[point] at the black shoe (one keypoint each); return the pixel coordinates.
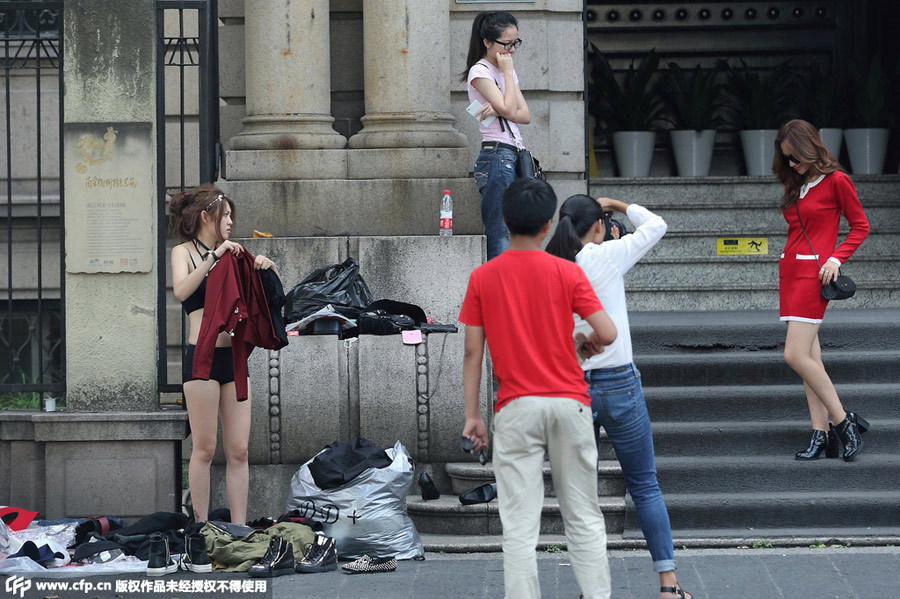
(832, 446)
(849, 432)
(195, 558)
(426, 484)
(370, 564)
(321, 556)
(818, 443)
(677, 590)
(278, 560)
(160, 561)
(482, 494)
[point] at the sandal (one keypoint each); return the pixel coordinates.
(676, 590)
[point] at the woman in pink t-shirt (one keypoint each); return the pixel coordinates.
(492, 81)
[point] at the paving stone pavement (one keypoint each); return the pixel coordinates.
(839, 572)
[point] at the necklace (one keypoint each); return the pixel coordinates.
(197, 247)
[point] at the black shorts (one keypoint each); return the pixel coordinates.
(222, 369)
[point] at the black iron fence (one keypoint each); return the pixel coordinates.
(32, 288)
(187, 131)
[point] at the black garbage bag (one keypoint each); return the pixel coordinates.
(338, 284)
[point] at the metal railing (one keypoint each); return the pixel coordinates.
(32, 323)
(191, 55)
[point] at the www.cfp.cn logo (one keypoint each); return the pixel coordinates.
(17, 584)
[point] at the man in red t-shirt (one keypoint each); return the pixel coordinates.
(522, 302)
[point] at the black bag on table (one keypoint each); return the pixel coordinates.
(338, 284)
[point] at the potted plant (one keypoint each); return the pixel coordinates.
(694, 102)
(628, 110)
(762, 106)
(821, 109)
(870, 115)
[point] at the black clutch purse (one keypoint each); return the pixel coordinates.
(839, 289)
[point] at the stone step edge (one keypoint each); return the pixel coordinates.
(472, 470)
(862, 286)
(450, 504)
(676, 260)
(437, 543)
(732, 426)
(739, 393)
(836, 356)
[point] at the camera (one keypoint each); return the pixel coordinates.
(610, 222)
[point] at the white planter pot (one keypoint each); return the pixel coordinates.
(759, 150)
(634, 152)
(867, 148)
(693, 151)
(832, 138)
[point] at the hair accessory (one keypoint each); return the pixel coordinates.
(218, 198)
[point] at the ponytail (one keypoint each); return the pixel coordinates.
(576, 217)
(486, 26)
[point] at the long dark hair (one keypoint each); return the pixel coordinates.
(486, 26)
(808, 147)
(577, 215)
(186, 207)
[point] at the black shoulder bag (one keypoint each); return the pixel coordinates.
(839, 289)
(527, 166)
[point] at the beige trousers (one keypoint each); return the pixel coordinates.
(524, 430)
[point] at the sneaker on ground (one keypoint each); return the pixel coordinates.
(321, 556)
(195, 558)
(278, 560)
(160, 560)
(371, 564)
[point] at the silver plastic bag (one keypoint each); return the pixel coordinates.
(366, 516)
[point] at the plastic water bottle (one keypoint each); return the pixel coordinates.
(446, 214)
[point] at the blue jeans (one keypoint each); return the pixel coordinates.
(495, 170)
(617, 401)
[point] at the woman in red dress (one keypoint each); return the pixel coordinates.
(818, 191)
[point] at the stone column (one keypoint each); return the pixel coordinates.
(288, 87)
(407, 79)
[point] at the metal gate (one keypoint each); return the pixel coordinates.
(187, 130)
(32, 352)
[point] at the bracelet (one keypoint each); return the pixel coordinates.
(214, 255)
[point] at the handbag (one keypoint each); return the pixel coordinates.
(527, 166)
(843, 286)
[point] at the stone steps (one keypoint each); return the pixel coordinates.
(875, 472)
(728, 415)
(447, 516)
(751, 331)
(770, 402)
(769, 367)
(775, 509)
(750, 438)
(749, 272)
(465, 475)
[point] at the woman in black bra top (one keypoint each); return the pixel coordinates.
(204, 218)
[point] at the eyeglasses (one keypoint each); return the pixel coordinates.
(218, 198)
(790, 158)
(509, 45)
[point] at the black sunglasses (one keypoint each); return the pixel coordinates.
(790, 158)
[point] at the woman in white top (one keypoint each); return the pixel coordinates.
(492, 81)
(617, 398)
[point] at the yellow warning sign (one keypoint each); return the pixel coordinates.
(741, 246)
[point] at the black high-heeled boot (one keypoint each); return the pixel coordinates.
(832, 447)
(849, 432)
(817, 444)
